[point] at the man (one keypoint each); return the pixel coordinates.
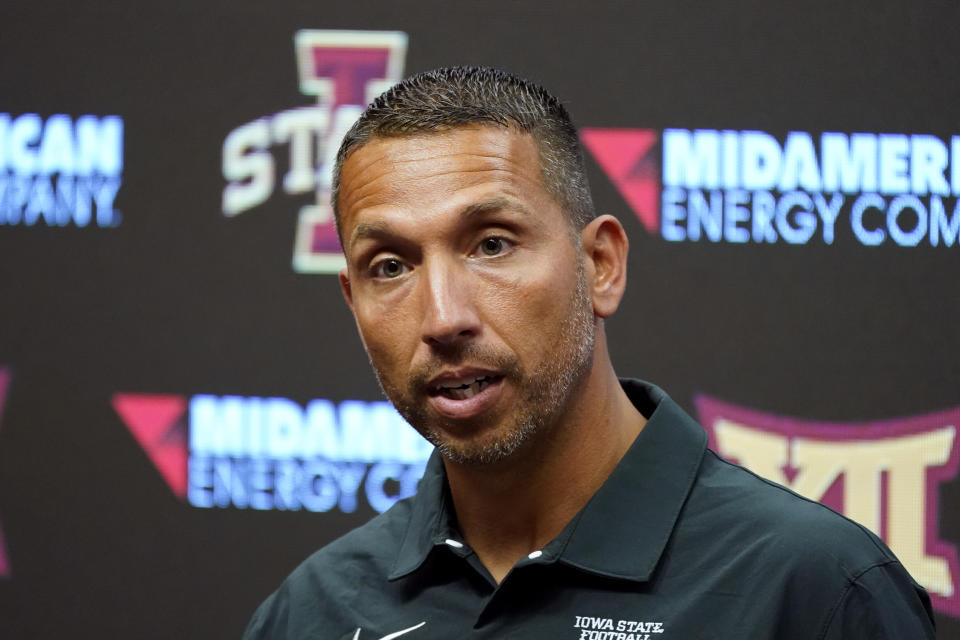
(560, 502)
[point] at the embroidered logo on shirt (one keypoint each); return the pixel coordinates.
(598, 628)
(395, 634)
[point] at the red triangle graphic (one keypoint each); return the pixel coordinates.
(4, 563)
(4, 383)
(626, 156)
(156, 422)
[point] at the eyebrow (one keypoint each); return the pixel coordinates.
(492, 205)
(368, 230)
(476, 209)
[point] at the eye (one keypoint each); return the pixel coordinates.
(389, 268)
(493, 246)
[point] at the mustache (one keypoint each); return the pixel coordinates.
(443, 357)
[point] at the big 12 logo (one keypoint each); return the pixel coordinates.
(885, 475)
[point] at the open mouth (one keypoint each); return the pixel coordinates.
(463, 389)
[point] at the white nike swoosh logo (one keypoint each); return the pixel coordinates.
(395, 634)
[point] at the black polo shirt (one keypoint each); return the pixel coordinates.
(676, 545)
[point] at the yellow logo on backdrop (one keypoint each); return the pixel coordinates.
(884, 475)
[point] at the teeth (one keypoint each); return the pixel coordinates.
(466, 390)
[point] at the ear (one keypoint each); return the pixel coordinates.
(605, 248)
(345, 287)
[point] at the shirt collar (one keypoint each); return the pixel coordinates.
(431, 519)
(623, 529)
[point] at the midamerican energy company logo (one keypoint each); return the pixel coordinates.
(343, 71)
(60, 170)
(885, 475)
(4, 383)
(273, 453)
(744, 187)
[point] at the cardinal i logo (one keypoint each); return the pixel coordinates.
(343, 71)
(885, 475)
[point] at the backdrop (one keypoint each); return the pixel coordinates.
(186, 411)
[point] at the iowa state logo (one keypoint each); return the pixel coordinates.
(885, 475)
(343, 71)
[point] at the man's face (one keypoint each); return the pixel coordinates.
(467, 286)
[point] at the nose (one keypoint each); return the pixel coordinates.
(449, 313)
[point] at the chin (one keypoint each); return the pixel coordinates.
(482, 449)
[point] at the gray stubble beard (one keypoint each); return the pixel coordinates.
(545, 392)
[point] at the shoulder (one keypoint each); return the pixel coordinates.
(324, 589)
(811, 564)
(773, 519)
(731, 510)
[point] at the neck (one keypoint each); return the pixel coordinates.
(509, 509)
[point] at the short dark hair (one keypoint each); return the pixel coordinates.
(449, 97)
